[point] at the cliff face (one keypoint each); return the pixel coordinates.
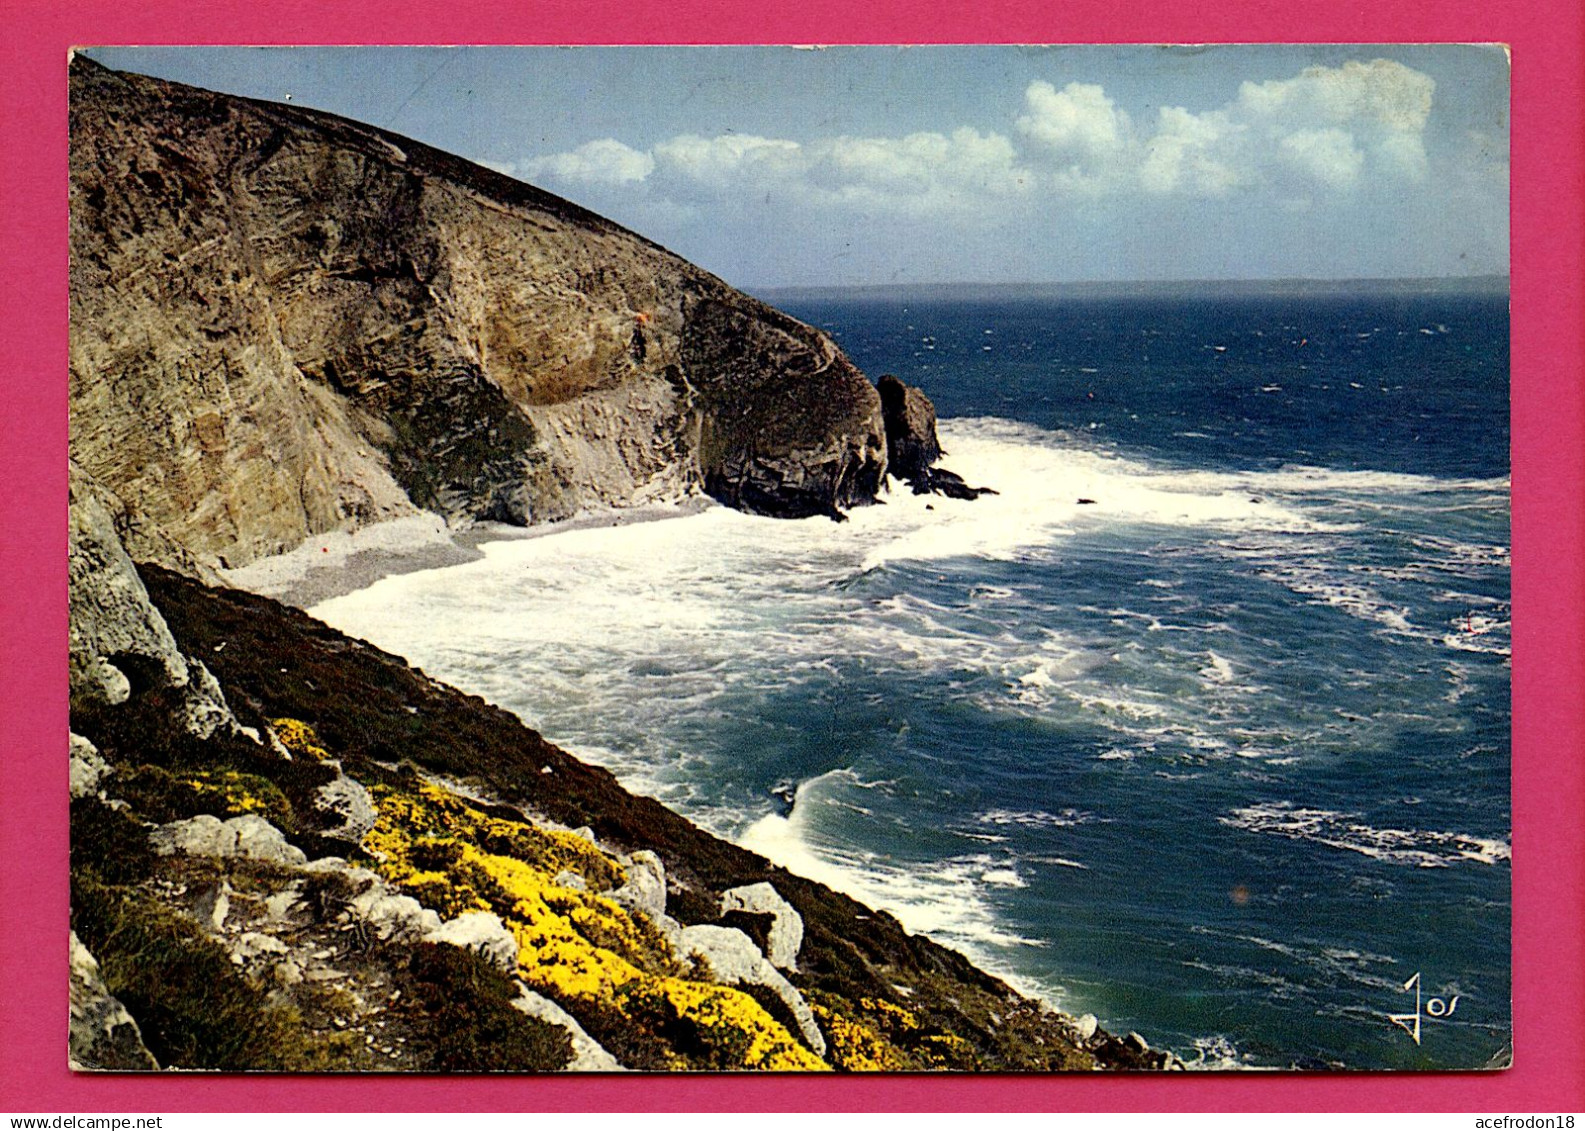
(285, 323)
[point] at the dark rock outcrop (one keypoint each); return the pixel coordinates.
(118, 644)
(910, 420)
(912, 448)
(284, 323)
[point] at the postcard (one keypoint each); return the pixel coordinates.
(968, 559)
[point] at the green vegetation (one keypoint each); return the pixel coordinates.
(886, 1000)
(461, 1006)
(195, 1009)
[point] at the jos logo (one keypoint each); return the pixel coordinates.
(1435, 1008)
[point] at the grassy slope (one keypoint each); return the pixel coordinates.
(375, 712)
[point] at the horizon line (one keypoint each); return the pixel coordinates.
(1488, 279)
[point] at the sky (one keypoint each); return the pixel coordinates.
(777, 166)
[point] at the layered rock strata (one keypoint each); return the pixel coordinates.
(285, 323)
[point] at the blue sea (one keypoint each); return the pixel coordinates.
(1201, 724)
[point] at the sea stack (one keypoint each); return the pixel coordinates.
(912, 447)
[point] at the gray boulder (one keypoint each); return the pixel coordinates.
(483, 932)
(102, 1036)
(118, 642)
(587, 1054)
(87, 767)
(787, 926)
(116, 636)
(345, 807)
(645, 889)
(393, 916)
(204, 709)
(248, 836)
(736, 961)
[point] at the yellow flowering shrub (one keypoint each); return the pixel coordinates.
(242, 793)
(163, 795)
(299, 738)
(856, 1047)
(574, 945)
(880, 1036)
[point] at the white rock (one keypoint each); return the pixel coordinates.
(346, 808)
(102, 1036)
(570, 880)
(257, 839)
(1087, 1026)
(212, 906)
(203, 708)
(393, 916)
(254, 945)
(249, 836)
(114, 630)
(670, 930)
(645, 889)
(480, 931)
(587, 1055)
(787, 926)
(281, 906)
(87, 767)
(736, 961)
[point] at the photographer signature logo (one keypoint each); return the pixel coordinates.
(1434, 1008)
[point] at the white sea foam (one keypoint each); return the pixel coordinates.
(1216, 1053)
(1414, 847)
(948, 901)
(605, 638)
(680, 604)
(1219, 670)
(1037, 818)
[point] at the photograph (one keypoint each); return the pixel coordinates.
(960, 558)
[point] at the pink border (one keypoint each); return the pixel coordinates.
(1548, 532)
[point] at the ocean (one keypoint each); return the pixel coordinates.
(1201, 724)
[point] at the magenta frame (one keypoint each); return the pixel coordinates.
(1548, 428)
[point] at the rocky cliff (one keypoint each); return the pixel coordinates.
(284, 323)
(293, 852)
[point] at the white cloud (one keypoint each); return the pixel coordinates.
(1078, 117)
(1324, 132)
(1329, 155)
(602, 162)
(1402, 154)
(916, 174)
(1192, 153)
(1329, 128)
(925, 168)
(1380, 94)
(722, 162)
